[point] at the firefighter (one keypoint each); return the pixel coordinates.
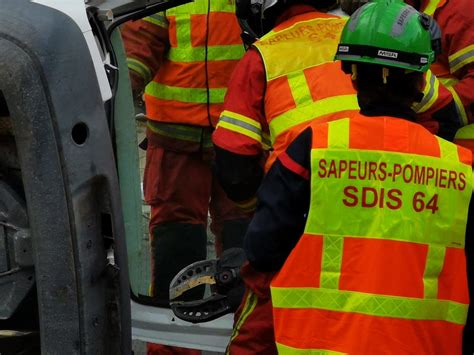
(370, 251)
(271, 96)
(455, 65)
(455, 69)
(182, 60)
(285, 80)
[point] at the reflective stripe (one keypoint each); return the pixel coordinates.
(140, 68)
(183, 31)
(449, 81)
(248, 206)
(434, 266)
(370, 304)
(184, 51)
(461, 58)
(430, 93)
(247, 310)
(288, 350)
(157, 19)
(183, 132)
(201, 8)
(299, 88)
(244, 125)
(338, 134)
(331, 261)
(214, 53)
(192, 95)
(431, 7)
(310, 112)
(466, 132)
(459, 105)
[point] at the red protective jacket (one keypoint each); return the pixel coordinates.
(455, 66)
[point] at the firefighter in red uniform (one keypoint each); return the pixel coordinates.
(370, 255)
(271, 96)
(183, 59)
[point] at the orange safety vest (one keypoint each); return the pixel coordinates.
(205, 46)
(296, 54)
(380, 268)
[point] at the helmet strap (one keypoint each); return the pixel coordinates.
(354, 72)
(385, 74)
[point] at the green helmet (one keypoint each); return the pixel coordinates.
(389, 33)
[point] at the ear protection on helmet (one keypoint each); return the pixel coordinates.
(433, 28)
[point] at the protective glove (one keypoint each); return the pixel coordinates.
(228, 278)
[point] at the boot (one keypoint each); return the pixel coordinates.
(176, 245)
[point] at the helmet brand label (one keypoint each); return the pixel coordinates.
(387, 54)
(344, 49)
(423, 60)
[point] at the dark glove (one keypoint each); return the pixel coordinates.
(449, 121)
(228, 278)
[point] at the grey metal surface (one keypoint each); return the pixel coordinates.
(159, 325)
(16, 262)
(70, 181)
(123, 7)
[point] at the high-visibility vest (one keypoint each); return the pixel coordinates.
(205, 46)
(380, 268)
(296, 54)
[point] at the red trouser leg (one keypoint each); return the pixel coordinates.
(180, 189)
(253, 321)
(253, 327)
(157, 349)
(177, 186)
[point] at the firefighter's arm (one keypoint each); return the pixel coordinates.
(462, 90)
(240, 176)
(241, 137)
(146, 43)
(459, 47)
(437, 110)
(283, 202)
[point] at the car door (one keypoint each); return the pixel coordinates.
(70, 192)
